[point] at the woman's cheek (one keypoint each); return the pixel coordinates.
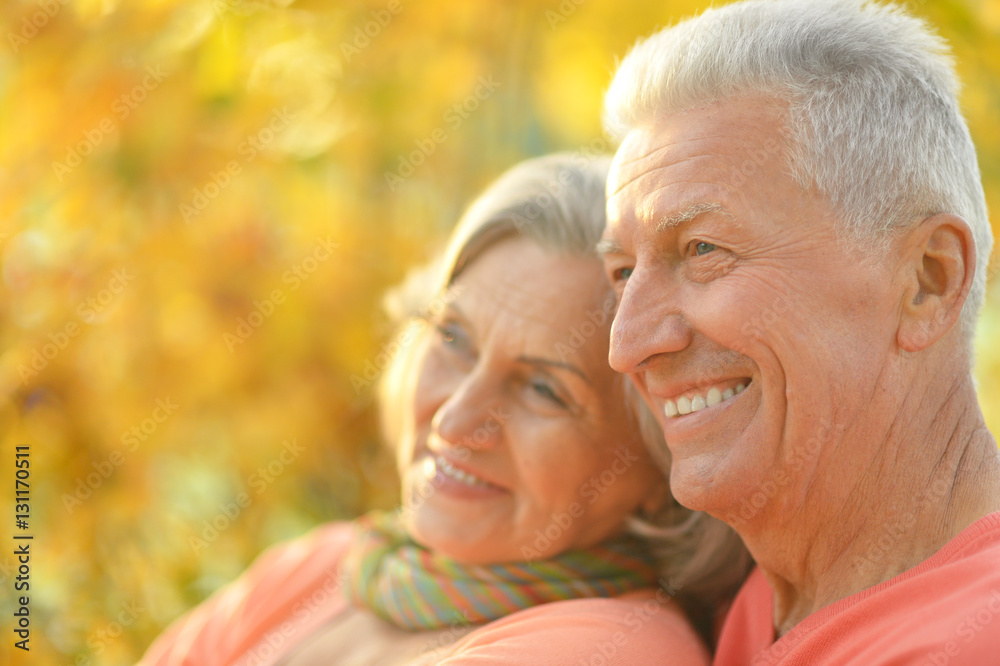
(558, 478)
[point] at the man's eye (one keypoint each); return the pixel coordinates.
(622, 274)
(702, 247)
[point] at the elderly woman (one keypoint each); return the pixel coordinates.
(535, 527)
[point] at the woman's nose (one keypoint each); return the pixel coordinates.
(471, 417)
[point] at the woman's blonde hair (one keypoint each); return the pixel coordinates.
(558, 202)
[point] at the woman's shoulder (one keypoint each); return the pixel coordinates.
(286, 571)
(283, 583)
(322, 548)
(642, 627)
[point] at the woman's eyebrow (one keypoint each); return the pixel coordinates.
(450, 308)
(535, 360)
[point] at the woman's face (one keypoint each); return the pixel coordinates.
(521, 446)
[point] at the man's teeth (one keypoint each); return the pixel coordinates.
(455, 473)
(697, 402)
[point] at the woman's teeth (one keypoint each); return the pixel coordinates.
(455, 473)
(686, 405)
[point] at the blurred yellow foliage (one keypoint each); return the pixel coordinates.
(202, 203)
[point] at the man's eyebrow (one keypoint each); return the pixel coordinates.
(534, 360)
(690, 212)
(608, 246)
(686, 214)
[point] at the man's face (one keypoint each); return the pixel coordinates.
(754, 335)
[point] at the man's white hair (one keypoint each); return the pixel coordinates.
(873, 121)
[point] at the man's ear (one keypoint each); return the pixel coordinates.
(937, 270)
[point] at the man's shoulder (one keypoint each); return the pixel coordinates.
(939, 612)
(962, 575)
(944, 611)
(949, 611)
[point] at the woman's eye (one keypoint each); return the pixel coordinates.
(544, 390)
(702, 247)
(452, 335)
(447, 333)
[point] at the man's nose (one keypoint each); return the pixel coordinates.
(648, 322)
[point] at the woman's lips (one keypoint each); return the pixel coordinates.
(450, 479)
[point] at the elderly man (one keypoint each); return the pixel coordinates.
(798, 237)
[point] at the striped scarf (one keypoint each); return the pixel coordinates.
(417, 589)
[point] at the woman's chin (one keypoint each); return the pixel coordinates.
(460, 550)
(452, 537)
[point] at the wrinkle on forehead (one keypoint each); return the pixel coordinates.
(637, 155)
(635, 168)
(508, 293)
(649, 198)
(515, 295)
(667, 205)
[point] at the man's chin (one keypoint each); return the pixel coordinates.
(701, 483)
(691, 486)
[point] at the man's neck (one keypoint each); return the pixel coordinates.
(923, 482)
